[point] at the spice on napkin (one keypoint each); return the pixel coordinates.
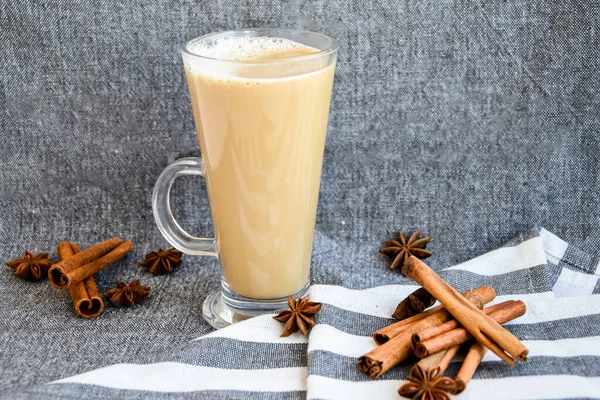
(301, 315)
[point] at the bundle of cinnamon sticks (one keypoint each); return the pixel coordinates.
(436, 335)
(76, 272)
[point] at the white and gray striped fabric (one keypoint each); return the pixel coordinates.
(561, 328)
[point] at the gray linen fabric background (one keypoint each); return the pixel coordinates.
(472, 120)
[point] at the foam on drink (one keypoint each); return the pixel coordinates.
(245, 48)
(253, 58)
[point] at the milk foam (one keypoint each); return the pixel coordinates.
(237, 59)
(243, 48)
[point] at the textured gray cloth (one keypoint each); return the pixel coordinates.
(470, 120)
(560, 329)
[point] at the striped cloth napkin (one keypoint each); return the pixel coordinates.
(561, 328)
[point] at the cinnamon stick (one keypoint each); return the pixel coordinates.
(86, 298)
(483, 328)
(467, 370)
(57, 272)
(397, 349)
(452, 324)
(384, 334)
(414, 304)
(65, 273)
(441, 359)
(461, 335)
(432, 360)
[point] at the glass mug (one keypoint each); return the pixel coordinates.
(260, 100)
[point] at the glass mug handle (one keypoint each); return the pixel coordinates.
(161, 209)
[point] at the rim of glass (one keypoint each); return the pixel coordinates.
(331, 48)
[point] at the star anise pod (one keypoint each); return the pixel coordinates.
(403, 249)
(31, 267)
(426, 385)
(162, 261)
(128, 295)
(300, 316)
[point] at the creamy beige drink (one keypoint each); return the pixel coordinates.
(261, 125)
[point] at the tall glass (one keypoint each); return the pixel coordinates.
(261, 102)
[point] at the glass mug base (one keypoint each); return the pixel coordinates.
(224, 307)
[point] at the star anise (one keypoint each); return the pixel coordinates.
(31, 267)
(300, 316)
(403, 249)
(128, 295)
(162, 261)
(426, 385)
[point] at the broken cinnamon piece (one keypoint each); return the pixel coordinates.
(86, 298)
(397, 349)
(441, 359)
(483, 328)
(414, 304)
(432, 360)
(384, 334)
(65, 273)
(501, 315)
(469, 366)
